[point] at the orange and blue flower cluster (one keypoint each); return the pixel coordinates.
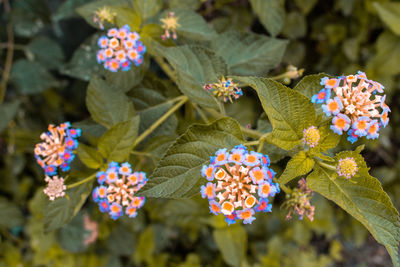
(225, 89)
(57, 150)
(357, 105)
(239, 184)
(120, 48)
(116, 192)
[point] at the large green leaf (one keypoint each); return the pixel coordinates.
(126, 16)
(178, 173)
(117, 143)
(46, 51)
(89, 156)
(288, 111)
(249, 53)
(271, 14)
(389, 12)
(297, 166)
(364, 198)
(192, 25)
(30, 77)
(62, 210)
(8, 112)
(107, 105)
(196, 66)
(147, 8)
(310, 84)
(232, 242)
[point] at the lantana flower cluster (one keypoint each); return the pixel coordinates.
(120, 48)
(118, 185)
(55, 153)
(225, 89)
(356, 103)
(240, 183)
(169, 24)
(298, 201)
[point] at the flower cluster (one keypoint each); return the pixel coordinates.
(103, 14)
(298, 201)
(311, 136)
(240, 183)
(117, 188)
(225, 89)
(92, 230)
(55, 187)
(169, 24)
(347, 167)
(119, 49)
(357, 105)
(57, 150)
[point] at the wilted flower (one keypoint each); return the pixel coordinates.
(225, 89)
(240, 183)
(55, 187)
(118, 186)
(169, 24)
(358, 105)
(119, 49)
(347, 167)
(103, 14)
(92, 228)
(57, 148)
(298, 201)
(311, 136)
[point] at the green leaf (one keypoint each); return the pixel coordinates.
(147, 8)
(196, 66)
(295, 25)
(8, 112)
(288, 111)
(62, 210)
(327, 141)
(106, 105)
(10, 214)
(71, 237)
(126, 16)
(84, 63)
(117, 143)
(68, 9)
(46, 51)
(271, 14)
(146, 246)
(363, 197)
(297, 166)
(310, 84)
(306, 5)
(389, 12)
(232, 242)
(249, 53)
(192, 25)
(178, 173)
(31, 77)
(89, 156)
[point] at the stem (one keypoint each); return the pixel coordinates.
(278, 77)
(160, 120)
(326, 166)
(9, 56)
(251, 143)
(285, 189)
(260, 146)
(82, 181)
(166, 68)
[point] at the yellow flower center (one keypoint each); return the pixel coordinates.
(347, 167)
(311, 136)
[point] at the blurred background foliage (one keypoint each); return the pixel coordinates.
(54, 46)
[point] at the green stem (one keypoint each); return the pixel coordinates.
(9, 55)
(166, 68)
(251, 143)
(160, 120)
(91, 177)
(285, 189)
(260, 146)
(326, 166)
(278, 77)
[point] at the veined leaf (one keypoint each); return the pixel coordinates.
(126, 16)
(249, 53)
(89, 156)
(271, 14)
(117, 143)
(62, 210)
(288, 111)
(196, 66)
(389, 12)
(232, 242)
(192, 25)
(147, 8)
(364, 198)
(310, 84)
(106, 105)
(327, 141)
(297, 166)
(178, 173)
